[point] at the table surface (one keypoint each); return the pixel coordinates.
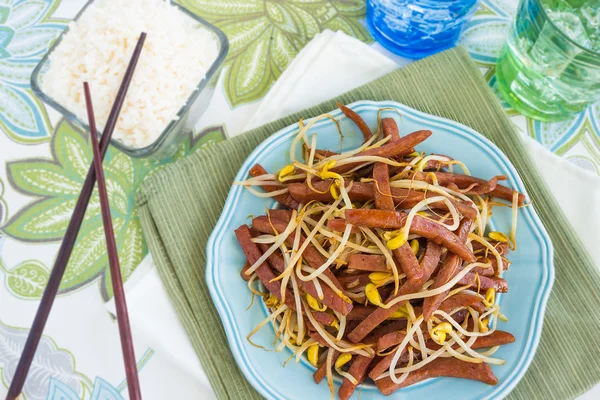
(45, 159)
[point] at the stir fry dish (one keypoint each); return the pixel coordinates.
(376, 263)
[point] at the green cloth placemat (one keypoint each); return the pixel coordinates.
(180, 205)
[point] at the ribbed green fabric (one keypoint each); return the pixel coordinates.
(180, 205)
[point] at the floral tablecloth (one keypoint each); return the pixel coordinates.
(44, 160)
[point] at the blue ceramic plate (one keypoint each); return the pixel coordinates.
(530, 277)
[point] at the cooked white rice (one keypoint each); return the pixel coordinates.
(176, 55)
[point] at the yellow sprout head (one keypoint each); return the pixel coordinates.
(414, 246)
(327, 174)
(439, 332)
(314, 303)
(379, 277)
(313, 354)
(398, 240)
(271, 301)
(402, 312)
(483, 325)
(373, 294)
(498, 236)
(335, 324)
(285, 171)
(342, 360)
(490, 297)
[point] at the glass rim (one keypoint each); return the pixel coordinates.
(562, 33)
(151, 148)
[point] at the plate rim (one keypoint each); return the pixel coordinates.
(547, 250)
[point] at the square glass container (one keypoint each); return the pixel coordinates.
(187, 116)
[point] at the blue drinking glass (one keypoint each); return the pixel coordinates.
(418, 28)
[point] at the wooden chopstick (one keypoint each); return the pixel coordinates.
(133, 383)
(66, 247)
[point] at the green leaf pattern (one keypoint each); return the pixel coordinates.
(72, 152)
(89, 256)
(28, 279)
(44, 221)
(264, 36)
(3, 205)
(251, 71)
(132, 250)
(42, 179)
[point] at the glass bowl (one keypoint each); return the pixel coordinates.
(187, 116)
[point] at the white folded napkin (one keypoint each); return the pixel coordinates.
(331, 64)
(576, 190)
(154, 321)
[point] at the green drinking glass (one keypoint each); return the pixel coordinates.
(550, 67)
